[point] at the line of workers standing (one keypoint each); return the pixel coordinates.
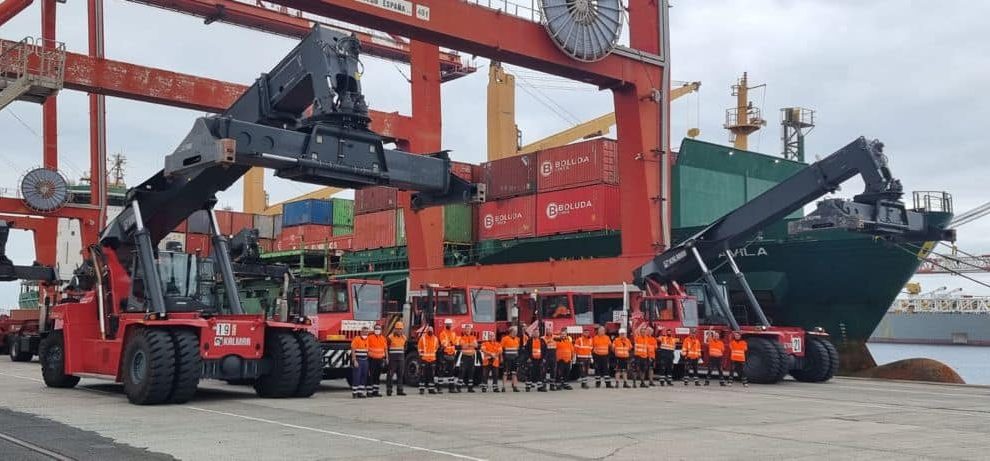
(449, 359)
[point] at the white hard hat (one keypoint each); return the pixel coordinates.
(622, 331)
(448, 321)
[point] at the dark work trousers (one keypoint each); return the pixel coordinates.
(489, 373)
(740, 369)
(690, 370)
(534, 375)
(584, 366)
(396, 372)
(642, 369)
(563, 372)
(667, 365)
(467, 371)
(375, 367)
(601, 370)
(714, 364)
(359, 377)
(427, 378)
(447, 364)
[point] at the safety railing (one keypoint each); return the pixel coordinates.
(937, 201)
(530, 11)
(947, 305)
(35, 58)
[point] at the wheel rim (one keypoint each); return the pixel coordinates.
(139, 367)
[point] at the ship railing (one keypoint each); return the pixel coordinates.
(936, 201)
(952, 304)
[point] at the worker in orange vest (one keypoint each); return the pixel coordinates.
(510, 353)
(716, 354)
(601, 350)
(377, 345)
(737, 348)
(668, 344)
(651, 349)
(642, 357)
(448, 357)
(691, 353)
(550, 359)
(583, 348)
(565, 357)
(427, 347)
(396, 360)
(623, 348)
(359, 364)
(491, 359)
(468, 344)
(535, 350)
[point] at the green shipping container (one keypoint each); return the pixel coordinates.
(343, 230)
(400, 227)
(343, 213)
(458, 223)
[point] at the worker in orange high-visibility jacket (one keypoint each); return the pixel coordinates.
(468, 344)
(623, 349)
(641, 353)
(396, 360)
(550, 359)
(716, 356)
(691, 353)
(510, 352)
(359, 364)
(668, 344)
(428, 346)
(448, 356)
(377, 347)
(491, 359)
(737, 354)
(583, 349)
(565, 357)
(535, 350)
(601, 351)
(651, 349)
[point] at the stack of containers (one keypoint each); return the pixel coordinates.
(312, 224)
(510, 209)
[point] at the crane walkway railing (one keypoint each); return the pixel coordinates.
(947, 305)
(31, 70)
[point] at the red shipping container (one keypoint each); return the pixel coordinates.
(463, 170)
(182, 227)
(224, 221)
(374, 230)
(580, 164)
(510, 176)
(240, 221)
(340, 242)
(295, 237)
(507, 219)
(198, 244)
(372, 199)
(266, 245)
(588, 208)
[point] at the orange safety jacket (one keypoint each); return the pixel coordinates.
(668, 343)
(565, 349)
(397, 345)
(691, 348)
(651, 346)
(738, 348)
(428, 346)
(642, 349)
(510, 346)
(716, 348)
(601, 344)
(448, 340)
(491, 352)
(469, 344)
(359, 347)
(536, 347)
(550, 342)
(584, 346)
(622, 347)
(376, 346)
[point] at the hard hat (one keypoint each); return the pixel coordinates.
(622, 331)
(448, 321)
(399, 325)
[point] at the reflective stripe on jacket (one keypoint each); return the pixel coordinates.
(601, 344)
(583, 347)
(376, 346)
(738, 348)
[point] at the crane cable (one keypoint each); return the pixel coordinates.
(936, 264)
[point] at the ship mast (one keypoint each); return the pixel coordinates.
(744, 119)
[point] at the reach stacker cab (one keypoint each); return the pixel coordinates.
(557, 309)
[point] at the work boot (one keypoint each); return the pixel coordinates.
(360, 396)
(706, 382)
(584, 385)
(541, 389)
(470, 389)
(400, 392)
(388, 392)
(568, 387)
(670, 382)
(685, 382)
(662, 383)
(423, 391)
(598, 384)
(608, 385)
(721, 383)
(653, 384)
(626, 385)
(516, 389)
(697, 383)
(433, 392)
(495, 389)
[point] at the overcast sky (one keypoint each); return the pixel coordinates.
(908, 73)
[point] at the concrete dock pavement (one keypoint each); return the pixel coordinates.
(843, 419)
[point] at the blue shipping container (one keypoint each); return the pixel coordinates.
(312, 211)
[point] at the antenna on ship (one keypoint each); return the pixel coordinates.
(744, 119)
(795, 123)
(117, 163)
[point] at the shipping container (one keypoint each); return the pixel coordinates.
(587, 208)
(463, 170)
(343, 212)
(375, 230)
(181, 228)
(343, 230)
(306, 234)
(458, 223)
(344, 242)
(372, 199)
(240, 221)
(400, 228)
(580, 164)
(510, 176)
(224, 221)
(266, 245)
(198, 244)
(278, 225)
(507, 219)
(171, 240)
(310, 211)
(198, 223)
(265, 226)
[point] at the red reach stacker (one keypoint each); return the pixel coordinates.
(147, 318)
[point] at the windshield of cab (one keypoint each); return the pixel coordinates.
(484, 305)
(179, 273)
(333, 299)
(583, 312)
(555, 306)
(367, 301)
(452, 302)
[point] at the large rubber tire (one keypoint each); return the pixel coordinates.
(785, 361)
(833, 355)
(16, 354)
(816, 364)
(188, 365)
(413, 369)
(311, 364)
(51, 354)
(282, 379)
(763, 361)
(149, 366)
